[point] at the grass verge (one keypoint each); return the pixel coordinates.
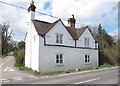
(105, 65)
(23, 68)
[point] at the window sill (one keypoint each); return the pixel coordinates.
(87, 46)
(58, 65)
(87, 63)
(59, 44)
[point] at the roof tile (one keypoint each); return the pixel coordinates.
(43, 27)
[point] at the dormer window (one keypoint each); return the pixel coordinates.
(86, 42)
(59, 38)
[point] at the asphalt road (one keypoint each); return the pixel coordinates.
(101, 76)
(9, 71)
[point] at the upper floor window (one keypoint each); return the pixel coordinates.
(87, 42)
(59, 38)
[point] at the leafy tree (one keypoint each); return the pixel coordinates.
(107, 47)
(118, 51)
(20, 53)
(21, 45)
(19, 57)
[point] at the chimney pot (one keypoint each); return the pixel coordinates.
(32, 6)
(71, 22)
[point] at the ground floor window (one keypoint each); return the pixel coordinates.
(87, 58)
(59, 58)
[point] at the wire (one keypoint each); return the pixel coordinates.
(26, 9)
(13, 19)
(35, 11)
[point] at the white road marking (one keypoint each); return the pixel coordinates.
(74, 73)
(5, 80)
(1, 64)
(87, 71)
(87, 81)
(33, 77)
(46, 76)
(4, 62)
(9, 69)
(17, 78)
(65, 74)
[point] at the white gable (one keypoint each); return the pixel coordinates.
(59, 28)
(86, 34)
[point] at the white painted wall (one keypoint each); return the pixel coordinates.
(59, 28)
(81, 41)
(73, 58)
(35, 50)
(28, 42)
(32, 45)
(32, 58)
(42, 58)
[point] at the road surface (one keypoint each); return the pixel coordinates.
(9, 72)
(100, 76)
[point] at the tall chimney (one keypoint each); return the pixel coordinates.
(31, 10)
(71, 22)
(32, 6)
(28, 44)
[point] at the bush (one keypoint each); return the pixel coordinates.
(15, 53)
(4, 55)
(112, 56)
(106, 65)
(22, 67)
(19, 57)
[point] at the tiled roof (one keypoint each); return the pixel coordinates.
(43, 27)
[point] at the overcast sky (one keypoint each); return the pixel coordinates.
(87, 12)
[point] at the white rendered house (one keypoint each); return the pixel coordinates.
(54, 47)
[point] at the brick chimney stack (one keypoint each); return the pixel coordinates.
(31, 11)
(32, 6)
(71, 22)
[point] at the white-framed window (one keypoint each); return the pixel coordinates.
(59, 59)
(87, 58)
(59, 38)
(86, 42)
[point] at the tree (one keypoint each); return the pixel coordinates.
(21, 45)
(118, 51)
(20, 53)
(107, 47)
(6, 36)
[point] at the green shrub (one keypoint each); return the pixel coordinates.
(22, 67)
(19, 57)
(106, 65)
(17, 65)
(15, 53)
